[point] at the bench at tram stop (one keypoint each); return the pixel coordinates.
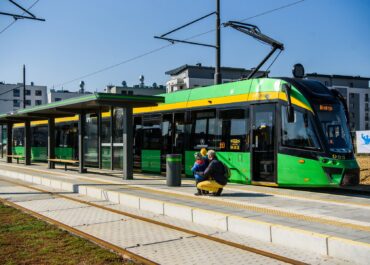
(64, 161)
(16, 157)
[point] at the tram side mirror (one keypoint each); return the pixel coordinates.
(290, 109)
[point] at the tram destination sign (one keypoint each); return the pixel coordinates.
(363, 142)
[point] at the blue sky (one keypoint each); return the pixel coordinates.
(81, 37)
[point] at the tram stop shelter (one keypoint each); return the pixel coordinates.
(95, 104)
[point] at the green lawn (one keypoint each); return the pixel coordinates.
(27, 240)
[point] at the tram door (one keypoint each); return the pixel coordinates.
(263, 147)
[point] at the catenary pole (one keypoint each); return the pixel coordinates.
(24, 86)
(218, 45)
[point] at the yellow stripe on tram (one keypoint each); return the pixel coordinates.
(258, 96)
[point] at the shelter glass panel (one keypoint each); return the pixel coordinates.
(118, 139)
(105, 143)
(91, 141)
(18, 141)
(3, 141)
(39, 143)
(66, 141)
(138, 140)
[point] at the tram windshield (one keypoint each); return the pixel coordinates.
(334, 124)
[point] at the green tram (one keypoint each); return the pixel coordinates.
(269, 131)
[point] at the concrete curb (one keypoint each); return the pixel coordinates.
(292, 237)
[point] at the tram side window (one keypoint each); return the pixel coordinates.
(179, 133)
(18, 137)
(167, 133)
(232, 130)
(138, 134)
(118, 126)
(152, 132)
(67, 135)
(301, 133)
(39, 136)
(203, 129)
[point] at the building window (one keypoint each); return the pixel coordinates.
(38, 92)
(38, 102)
(28, 92)
(16, 93)
(57, 99)
(351, 84)
(367, 126)
(16, 103)
(366, 97)
(28, 102)
(130, 92)
(326, 83)
(124, 92)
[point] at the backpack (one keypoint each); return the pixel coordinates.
(227, 171)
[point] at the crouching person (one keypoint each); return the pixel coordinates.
(198, 171)
(215, 175)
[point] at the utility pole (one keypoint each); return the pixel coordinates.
(24, 86)
(218, 77)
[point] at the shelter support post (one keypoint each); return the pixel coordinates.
(111, 126)
(1, 144)
(51, 142)
(27, 142)
(81, 135)
(99, 119)
(128, 140)
(9, 142)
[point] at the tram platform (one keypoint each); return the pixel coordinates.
(327, 223)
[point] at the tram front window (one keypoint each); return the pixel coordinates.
(334, 124)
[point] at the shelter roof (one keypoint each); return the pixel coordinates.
(87, 103)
